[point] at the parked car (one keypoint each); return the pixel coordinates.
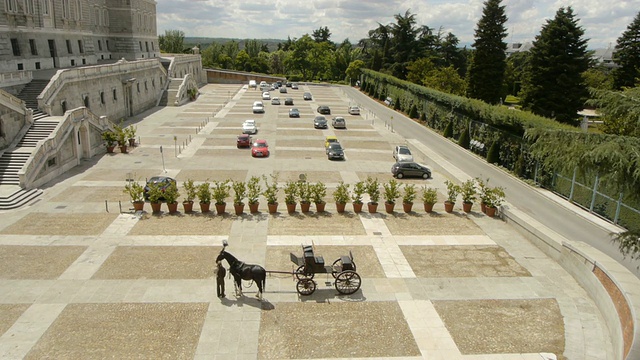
(162, 181)
(354, 110)
(330, 140)
(275, 101)
(260, 148)
(288, 101)
(249, 127)
(279, 83)
(407, 169)
(294, 112)
(294, 86)
(339, 122)
(288, 84)
(244, 140)
(320, 122)
(323, 109)
(258, 107)
(402, 153)
(266, 95)
(307, 96)
(283, 90)
(335, 151)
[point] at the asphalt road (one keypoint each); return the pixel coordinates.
(561, 218)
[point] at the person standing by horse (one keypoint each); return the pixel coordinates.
(220, 272)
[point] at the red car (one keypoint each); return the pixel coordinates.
(260, 148)
(244, 140)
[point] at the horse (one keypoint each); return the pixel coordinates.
(242, 271)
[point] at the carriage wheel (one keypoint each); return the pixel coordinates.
(301, 275)
(336, 268)
(347, 282)
(306, 287)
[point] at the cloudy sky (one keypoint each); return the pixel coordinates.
(602, 20)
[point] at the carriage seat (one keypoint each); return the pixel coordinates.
(310, 258)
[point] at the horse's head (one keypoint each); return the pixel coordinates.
(220, 256)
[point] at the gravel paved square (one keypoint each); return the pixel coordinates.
(365, 258)
(36, 262)
(9, 313)
(312, 176)
(504, 326)
(120, 174)
(462, 261)
(123, 331)
(313, 153)
(93, 194)
(314, 223)
(200, 176)
(159, 262)
(311, 132)
(369, 135)
(335, 330)
(61, 224)
(371, 145)
(310, 144)
(185, 224)
(421, 223)
(223, 153)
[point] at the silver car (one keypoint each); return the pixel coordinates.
(338, 122)
(402, 153)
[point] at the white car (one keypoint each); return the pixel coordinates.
(402, 153)
(354, 110)
(258, 107)
(266, 95)
(249, 127)
(275, 101)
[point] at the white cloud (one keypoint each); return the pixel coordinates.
(603, 21)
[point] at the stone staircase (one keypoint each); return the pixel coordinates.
(39, 130)
(19, 198)
(10, 163)
(164, 99)
(29, 95)
(172, 90)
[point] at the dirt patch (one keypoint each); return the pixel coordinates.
(223, 153)
(311, 144)
(92, 194)
(365, 155)
(36, 262)
(504, 326)
(237, 131)
(365, 258)
(369, 135)
(9, 313)
(299, 133)
(312, 176)
(301, 154)
(211, 175)
(120, 174)
(462, 261)
(61, 224)
(123, 331)
(159, 262)
(416, 223)
(184, 224)
(315, 224)
(166, 141)
(372, 145)
(381, 176)
(335, 330)
(174, 130)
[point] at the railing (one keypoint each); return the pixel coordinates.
(16, 77)
(187, 83)
(182, 59)
(13, 102)
(65, 76)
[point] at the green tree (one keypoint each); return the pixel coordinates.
(172, 41)
(554, 86)
(447, 80)
(419, 69)
(404, 43)
(627, 56)
(598, 78)
(355, 69)
(487, 67)
(242, 60)
(299, 59)
(322, 34)
(621, 110)
(516, 69)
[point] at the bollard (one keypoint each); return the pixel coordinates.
(106, 205)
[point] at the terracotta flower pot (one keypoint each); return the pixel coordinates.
(373, 207)
(466, 206)
(239, 208)
(448, 206)
(155, 207)
(138, 205)
(204, 207)
(340, 207)
(221, 208)
(407, 207)
(273, 208)
(320, 207)
(389, 206)
(428, 207)
(291, 208)
(173, 208)
(253, 208)
(304, 207)
(491, 211)
(483, 207)
(110, 149)
(132, 142)
(357, 207)
(188, 206)
(123, 149)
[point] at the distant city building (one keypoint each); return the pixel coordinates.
(602, 56)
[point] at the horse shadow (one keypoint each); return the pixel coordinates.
(248, 301)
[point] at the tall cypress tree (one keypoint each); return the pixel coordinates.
(554, 86)
(486, 71)
(627, 56)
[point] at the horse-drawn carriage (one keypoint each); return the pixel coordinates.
(346, 279)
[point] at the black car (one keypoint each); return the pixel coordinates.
(335, 151)
(320, 122)
(307, 96)
(288, 101)
(324, 109)
(294, 113)
(407, 169)
(162, 182)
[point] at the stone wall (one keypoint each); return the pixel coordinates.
(13, 118)
(181, 65)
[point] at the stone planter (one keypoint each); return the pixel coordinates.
(448, 206)
(253, 208)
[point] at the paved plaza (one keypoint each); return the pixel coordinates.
(84, 277)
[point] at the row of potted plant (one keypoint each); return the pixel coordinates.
(120, 136)
(305, 193)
